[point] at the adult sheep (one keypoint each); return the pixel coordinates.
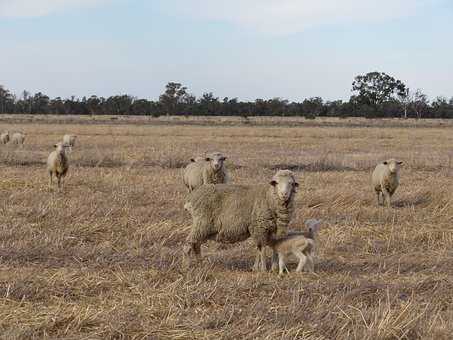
(18, 138)
(385, 179)
(69, 140)
(4, 137)
(210, 171)
(230, 213)
(58, 162)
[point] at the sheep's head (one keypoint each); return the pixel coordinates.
(216, 159)
(61, 147)
(312, 226)
(285, 184)
(393, 165)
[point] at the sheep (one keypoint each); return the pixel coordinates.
(4, 137)
(18, 138)
(301, 244)
(198, 159)
(385, 180)
(58, 162)
(69, 140)
(212, 171)
(229, 213)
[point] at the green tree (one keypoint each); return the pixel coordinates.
(375, 88)
(173, 96)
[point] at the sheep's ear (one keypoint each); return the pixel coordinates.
(273, 183)
(385, 163)
(400, 162)
(208, 159)
(192, 160)
(223, 159)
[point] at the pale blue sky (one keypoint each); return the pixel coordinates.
(249, 49)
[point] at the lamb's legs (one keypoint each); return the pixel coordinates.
(281, 264)
(50, 173)
(309, 265)
(302, 260)
(59, 181)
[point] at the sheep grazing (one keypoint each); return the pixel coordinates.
(4, 137)
(18, 138)
(211, 171)
(385, 180)
(58, 163)
(69, 140)
(229, 213)
(300, 244)
(198, 159)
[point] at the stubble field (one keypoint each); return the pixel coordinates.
(102, 258)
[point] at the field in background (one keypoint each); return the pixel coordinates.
(102, 258)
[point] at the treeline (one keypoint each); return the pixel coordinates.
(376, 95)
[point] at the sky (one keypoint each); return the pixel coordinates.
(292, 49)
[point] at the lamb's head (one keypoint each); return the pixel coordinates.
(61, 147)
(216, 159)
(393, 165)
(312, 226)
(284, 184)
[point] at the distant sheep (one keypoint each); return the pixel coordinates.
(58, 163)
(69, 140)
(230, 213)
(18, 138)
(210, 171)
(300, 244)
(385, 180)
(4, 137)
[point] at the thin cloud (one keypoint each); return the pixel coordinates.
(36, 8)
(292, 16)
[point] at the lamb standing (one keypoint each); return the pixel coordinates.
(57, 162)
(385, 180)
(212, 171)
(300, 244)
(230, 213)
(4, 137)
(18, 138)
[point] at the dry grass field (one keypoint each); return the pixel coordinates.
(102, 258)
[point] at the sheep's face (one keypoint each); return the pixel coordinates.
(285, 185)
(216, 161)
(61, 147)
(393, 165)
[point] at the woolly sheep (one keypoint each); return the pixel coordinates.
(300, 244)
(229, 213)
(212, 171)
(58, 162)
(69, 140)
(18, 138)
(4, 137)
(385, 180)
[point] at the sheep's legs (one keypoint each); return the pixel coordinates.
(378, 193)
(50, 183)
(386, 196)
(302, 260)
(59, 181)
(260, 260)
(274, 261)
